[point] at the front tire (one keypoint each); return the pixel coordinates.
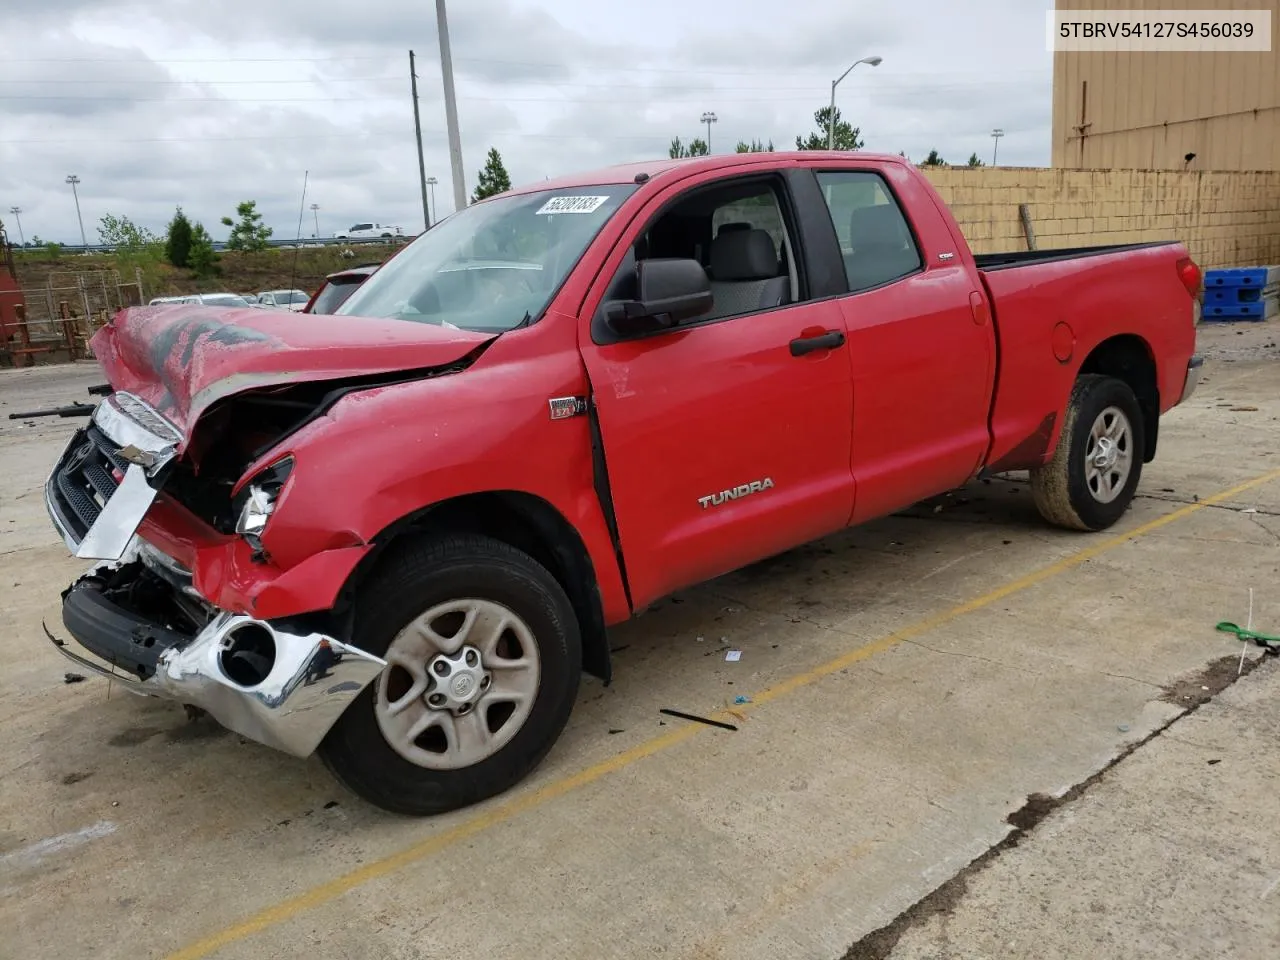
(483, 657)
(1094, 473)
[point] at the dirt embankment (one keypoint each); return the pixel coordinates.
(238, 272)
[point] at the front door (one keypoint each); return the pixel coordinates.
(724, 443)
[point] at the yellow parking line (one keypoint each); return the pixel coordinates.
(332, 889)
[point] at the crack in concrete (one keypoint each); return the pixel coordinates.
(1207, 684)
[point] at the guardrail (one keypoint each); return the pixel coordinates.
(221, 247)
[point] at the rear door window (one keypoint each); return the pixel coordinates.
(876, 242)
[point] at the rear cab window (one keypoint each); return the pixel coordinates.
(876, 242)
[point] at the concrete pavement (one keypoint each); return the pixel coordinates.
(912, 682)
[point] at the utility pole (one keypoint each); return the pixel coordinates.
(16, 211)
(417, 132)
(996, 134)
(451, 110)
(709, 118)
(315, 212)
(431, 185)
(73, 180)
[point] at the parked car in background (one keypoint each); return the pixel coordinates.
(338, 286)
(206, 300)
(369, 231)
(295, 300)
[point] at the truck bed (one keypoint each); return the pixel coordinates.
(989, 262)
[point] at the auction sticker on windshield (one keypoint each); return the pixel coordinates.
(572, 205)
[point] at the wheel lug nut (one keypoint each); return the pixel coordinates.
(484, 684)
(441, 668)
(472, 659)
(436, 700)
(465, 708)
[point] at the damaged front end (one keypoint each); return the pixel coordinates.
(140, 618)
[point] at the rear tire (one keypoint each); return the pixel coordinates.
(1094, 473)
(478, 582)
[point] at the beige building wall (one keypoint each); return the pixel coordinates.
(1147, 111)
(1226, 219)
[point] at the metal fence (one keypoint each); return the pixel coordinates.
(81, 294)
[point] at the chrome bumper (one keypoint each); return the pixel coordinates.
(305, 683)
(1193, 378)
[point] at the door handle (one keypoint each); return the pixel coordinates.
(824, 341)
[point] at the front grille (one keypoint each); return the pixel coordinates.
(84, 480)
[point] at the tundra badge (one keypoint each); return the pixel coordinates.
(745, 490)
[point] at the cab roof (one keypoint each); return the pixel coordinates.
(653, 169)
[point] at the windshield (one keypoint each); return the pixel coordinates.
(225, 300)
(492, 266)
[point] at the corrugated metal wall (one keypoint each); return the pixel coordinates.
(1147, 111)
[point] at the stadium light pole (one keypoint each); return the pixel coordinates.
(73, 180)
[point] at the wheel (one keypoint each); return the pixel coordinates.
(386, 236)
(1094, 473)
(483, 661)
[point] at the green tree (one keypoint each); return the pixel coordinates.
(934, 159)
(493, 177)
(123, 234)
(177, 247)
(249, 233)
(974, 161)
(697, 147)
(200, 256)
(847, 136)
(755, 146)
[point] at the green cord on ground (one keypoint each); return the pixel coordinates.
(1261, 639)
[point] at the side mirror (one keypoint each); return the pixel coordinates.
(668, 292)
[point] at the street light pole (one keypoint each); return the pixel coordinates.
(315, 212)
(16, 211)
(831, 117)
(431, 186)
(451, 110)
(996, 134)
(709, 118)
(73, 180)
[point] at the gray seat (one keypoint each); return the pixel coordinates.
(744, 273)
(882, 247)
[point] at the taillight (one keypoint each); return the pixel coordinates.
(1190, 276)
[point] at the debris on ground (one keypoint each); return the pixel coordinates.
(697, 719)
(1244, 409)
(1266, 641)
(72, 678)
(741, 699)
(733, 656)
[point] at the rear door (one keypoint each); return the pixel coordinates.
(920, 338)
(723, 442)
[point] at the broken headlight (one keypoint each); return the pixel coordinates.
(257, 501)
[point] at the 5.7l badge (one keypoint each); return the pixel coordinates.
(744, 490)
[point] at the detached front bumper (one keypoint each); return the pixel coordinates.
(277, 686)
(141, 621)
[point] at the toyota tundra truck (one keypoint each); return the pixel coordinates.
(398, 535)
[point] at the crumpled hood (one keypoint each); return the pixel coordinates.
(182, 358)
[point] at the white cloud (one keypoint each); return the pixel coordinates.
(205, 105)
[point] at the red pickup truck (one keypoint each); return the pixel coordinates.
(397, 535)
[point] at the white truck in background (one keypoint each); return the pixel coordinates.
(369, 231)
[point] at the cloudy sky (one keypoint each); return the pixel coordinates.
(204, 104)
